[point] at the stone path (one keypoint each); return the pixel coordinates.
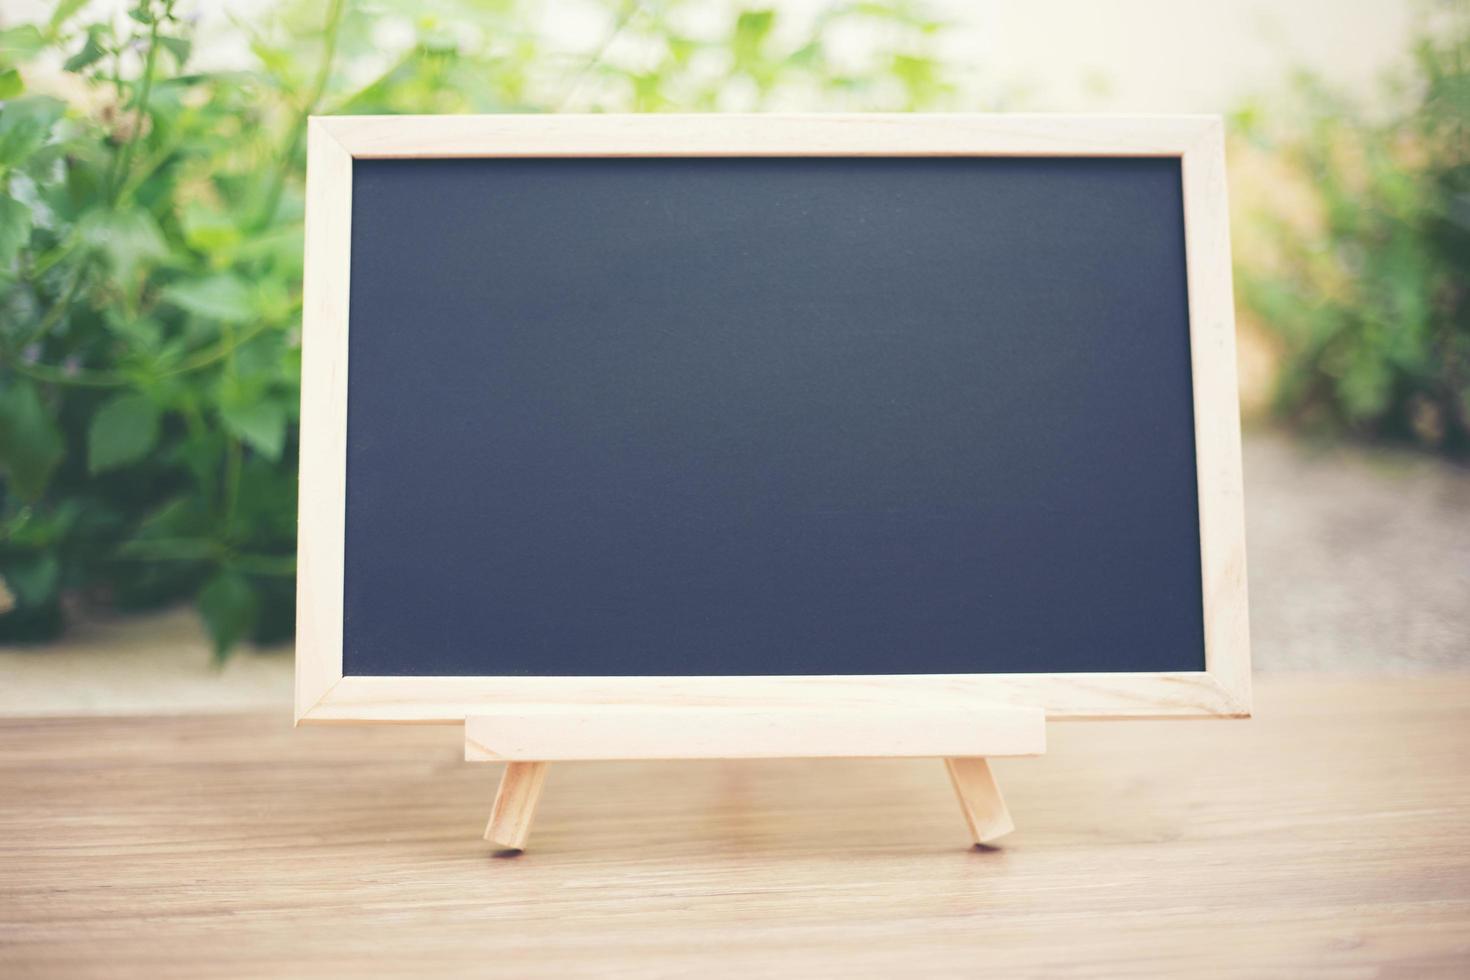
(1359, 560)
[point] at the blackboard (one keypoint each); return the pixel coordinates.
(770, 416)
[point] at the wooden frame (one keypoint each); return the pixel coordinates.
(324, 695)
(589, 734)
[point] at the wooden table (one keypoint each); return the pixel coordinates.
(1329, 836)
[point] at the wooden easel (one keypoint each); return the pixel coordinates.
(529, 740)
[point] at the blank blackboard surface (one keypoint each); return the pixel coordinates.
(770, 416)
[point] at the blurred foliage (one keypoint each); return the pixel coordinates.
(150, 249)
(1364, 277)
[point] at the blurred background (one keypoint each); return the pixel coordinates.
(151, 177)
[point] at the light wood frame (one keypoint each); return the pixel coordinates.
(324, 695)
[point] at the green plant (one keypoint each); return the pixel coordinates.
(1364, 271)
(150, 252)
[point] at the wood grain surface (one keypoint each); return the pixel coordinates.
(1329, 836)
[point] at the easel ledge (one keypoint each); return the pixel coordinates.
(528, 740)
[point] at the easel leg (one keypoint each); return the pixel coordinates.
(984, 808)
(515, 804)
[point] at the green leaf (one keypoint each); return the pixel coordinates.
(212, 230)
(168, 549)
(122, 431)
(91, 51)
(33, 578)
(10, 83)
(30, 443)
(25, 125)
(139, 332)
(40, 528)
(229, 606)
(751, 29)
(20, 43)
(15, 229)
(65, 11)
(177, 531)
(181, 517)
(177, 46)
(261, 424)
(128, 239)
(223, 297)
